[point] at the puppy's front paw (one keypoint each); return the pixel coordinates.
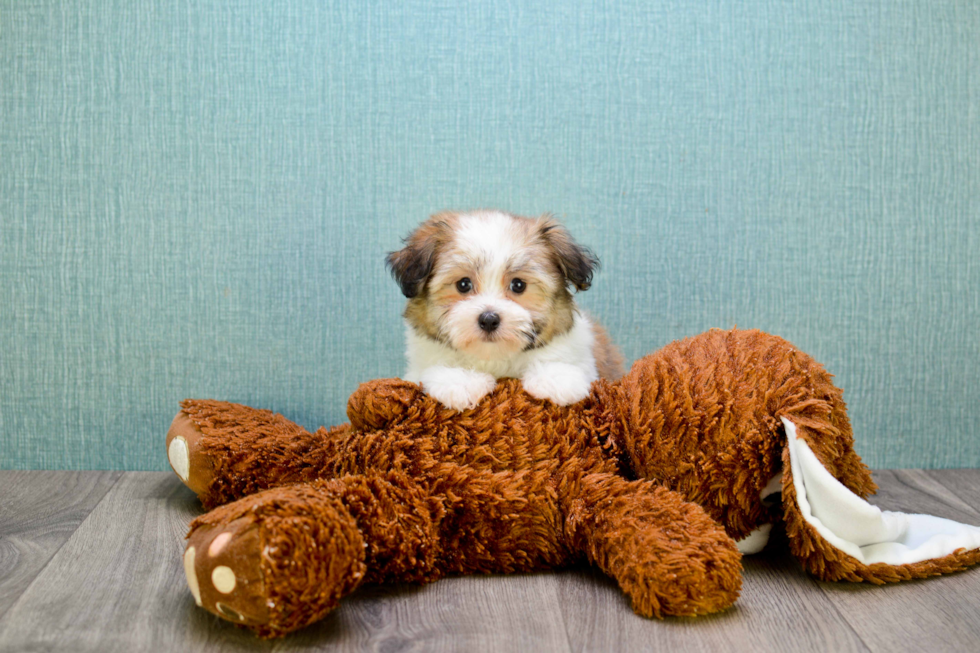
(562, 383)
(455, 387)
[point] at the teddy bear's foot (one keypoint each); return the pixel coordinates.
(275, 561)
(224, 574)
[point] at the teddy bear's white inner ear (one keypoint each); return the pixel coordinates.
(862, 530)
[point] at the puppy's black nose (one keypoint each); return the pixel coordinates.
(489, 321)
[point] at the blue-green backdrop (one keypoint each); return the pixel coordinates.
(196, 196)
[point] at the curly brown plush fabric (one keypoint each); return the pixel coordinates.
(705, 420)
(651, 478)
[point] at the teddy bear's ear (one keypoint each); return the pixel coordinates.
(845, 537)
(412, 265)
(575, 262)
(380, 403)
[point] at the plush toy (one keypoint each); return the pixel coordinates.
(659, 479)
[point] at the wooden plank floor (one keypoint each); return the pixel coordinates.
(90, 561)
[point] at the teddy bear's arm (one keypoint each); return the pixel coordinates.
(224, 451)
(665, 552)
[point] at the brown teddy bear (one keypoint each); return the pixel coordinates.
(659, 479)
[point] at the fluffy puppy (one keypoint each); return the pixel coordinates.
(488, 297)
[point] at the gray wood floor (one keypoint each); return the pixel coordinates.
(90, 561)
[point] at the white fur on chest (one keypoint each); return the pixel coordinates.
(575, 347)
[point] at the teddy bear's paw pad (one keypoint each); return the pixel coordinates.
(183, 452)
(223, 567)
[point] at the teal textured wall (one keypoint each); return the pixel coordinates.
(196, 197)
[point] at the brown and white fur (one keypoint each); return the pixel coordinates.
(488, 298)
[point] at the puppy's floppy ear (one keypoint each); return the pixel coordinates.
(576, 263)
(412, 265)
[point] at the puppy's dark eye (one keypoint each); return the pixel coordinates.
(464, 285)
(518, 286)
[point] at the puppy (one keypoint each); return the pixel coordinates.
(488, 298)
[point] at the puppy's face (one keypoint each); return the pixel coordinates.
(490, 284)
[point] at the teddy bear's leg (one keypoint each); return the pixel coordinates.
(665, 552)
(283, 558)
(224, 451)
